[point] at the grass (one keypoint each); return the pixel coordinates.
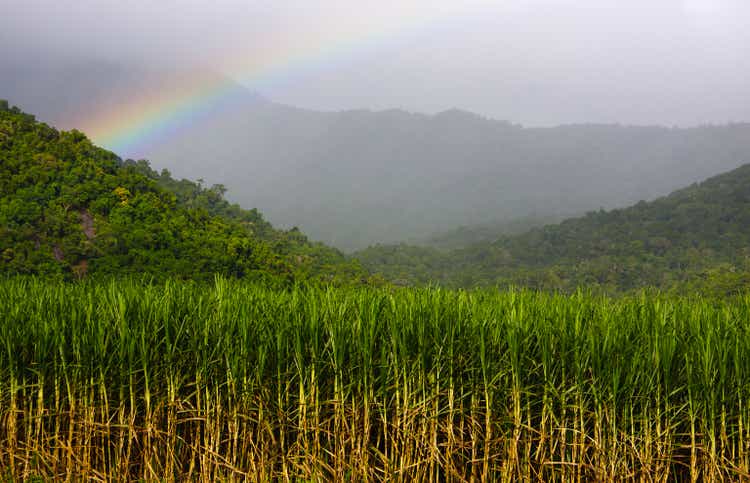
(233, 381)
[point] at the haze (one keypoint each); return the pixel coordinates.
(381, 122)
(537, 62)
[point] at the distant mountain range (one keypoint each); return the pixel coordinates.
(697, 238)
(357, 178)
(70, 209)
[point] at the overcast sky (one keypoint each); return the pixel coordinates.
(537, 62)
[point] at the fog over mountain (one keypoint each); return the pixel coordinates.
(355, 178)
(359, 177)
(368, 124)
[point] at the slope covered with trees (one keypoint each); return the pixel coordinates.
(695, 238)
(70, 208)
(359, 177)
(356, 178)
(468, 235)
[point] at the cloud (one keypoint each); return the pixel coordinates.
(534, 61)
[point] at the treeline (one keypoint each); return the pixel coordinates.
(71, 209)
(696, 239)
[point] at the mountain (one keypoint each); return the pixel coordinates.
(696, 238)
(71, 209)
(360, 177)
(465, 236)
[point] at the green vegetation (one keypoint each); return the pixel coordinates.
(144, 368)
(466, 236)
(696, 239)
(187, 381)
(69, 209)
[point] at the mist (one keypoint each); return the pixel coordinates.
(536, 62)
(366, 123)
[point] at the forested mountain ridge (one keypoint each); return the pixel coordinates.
(468, 235)
(72, 209)
(695, 238)
(358, 177)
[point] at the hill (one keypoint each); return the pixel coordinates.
(697, 238)
(360, 177)
(70, 208)
(469, 235)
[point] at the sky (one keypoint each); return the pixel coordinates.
(535, 62)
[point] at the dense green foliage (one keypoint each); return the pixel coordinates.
(69, 208)
(469, 235)
(184, 380)
(697, 238)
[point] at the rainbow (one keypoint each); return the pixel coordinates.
(144, 119)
